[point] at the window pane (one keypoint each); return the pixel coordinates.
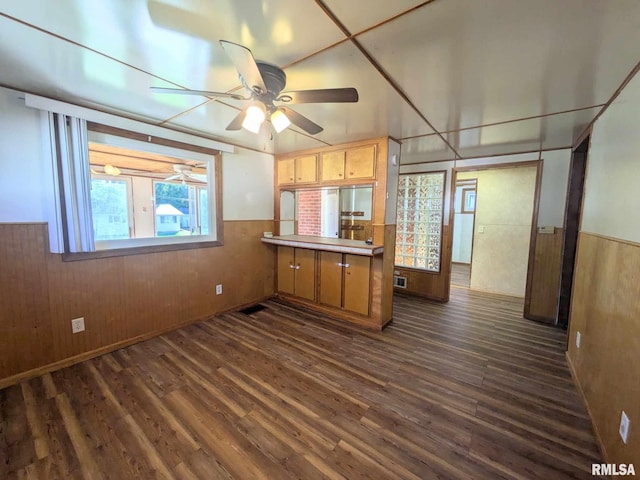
(203, 209)
(419, 220)
(173, 208)
(110, 209)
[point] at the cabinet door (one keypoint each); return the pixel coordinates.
(333, 166)
(285, 171)
(305, 277)
(306, 169)
(331, 279)
(360, 162)
(356, 283)
(285, 270)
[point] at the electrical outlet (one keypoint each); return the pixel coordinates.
(481, 229)
(578, 337)
(625, 423)
(77, 325)
(219, 289)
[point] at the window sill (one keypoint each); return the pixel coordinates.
(121, 252)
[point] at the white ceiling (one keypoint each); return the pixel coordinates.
(448, 78)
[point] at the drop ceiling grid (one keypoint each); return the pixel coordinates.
(376, 28)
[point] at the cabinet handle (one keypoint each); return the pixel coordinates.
(297, 267)
(339, 174)
(291, 266)
(345, 265)
(350, 173)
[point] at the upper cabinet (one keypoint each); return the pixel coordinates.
(350, 164)
(332, 166)
(360, 163)
(329, 167)
(298, 170)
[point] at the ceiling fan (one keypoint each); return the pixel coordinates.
(264, 83)
(184, 173)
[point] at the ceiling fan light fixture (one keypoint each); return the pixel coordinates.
(279, 121)
(255, 116)
(111, 170)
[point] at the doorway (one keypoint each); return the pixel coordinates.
(504, 200)
(464, 205)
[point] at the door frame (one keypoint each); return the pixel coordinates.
(572, 220)
(534, 216)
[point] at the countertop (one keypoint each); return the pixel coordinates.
(340, 245)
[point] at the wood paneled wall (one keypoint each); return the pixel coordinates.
(434, 286)
(605, 309)
(122, 299)
(542, 302)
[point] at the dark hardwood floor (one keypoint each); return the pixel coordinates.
(465, 390)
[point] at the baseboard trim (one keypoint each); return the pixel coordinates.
(576, 381)
(67, 362)
(540, 319)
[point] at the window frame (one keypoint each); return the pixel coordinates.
(160, 244)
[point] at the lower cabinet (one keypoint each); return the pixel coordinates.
(297, 272)
(344, 281)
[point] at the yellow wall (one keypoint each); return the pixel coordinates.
(504, 207)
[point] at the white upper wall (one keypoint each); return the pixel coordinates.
(553, 188)
(247, 179)
(611, 203)
(26, 190)
(25, 185)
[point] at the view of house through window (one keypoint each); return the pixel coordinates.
(419, 220)
(137, 194)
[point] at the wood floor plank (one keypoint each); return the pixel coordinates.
(464, 390)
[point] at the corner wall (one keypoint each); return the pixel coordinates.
(605, 306)
(545, 277)
(123, 299)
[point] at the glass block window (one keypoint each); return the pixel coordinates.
(419, 222)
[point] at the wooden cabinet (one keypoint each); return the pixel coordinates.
(297, 272)
(349, 164)
(332, 166)
(286, 171)
(298, 170)
(344, 281)
(360, 162)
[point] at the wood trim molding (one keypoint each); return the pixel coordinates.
(532, 241)
(20, 377)
(123, 252)
(611, 239)
(143, 137)
(576, 381)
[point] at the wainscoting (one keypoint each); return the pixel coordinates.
(605, 309)
(122, 299)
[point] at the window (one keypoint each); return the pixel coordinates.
(120, 191)
(110, 207)
(419, 221)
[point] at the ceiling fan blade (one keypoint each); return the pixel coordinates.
(246, 65)
(327, 95)
(197, 177)
(206, 93)
(174, 177)
(301, 121)
(236, 123)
